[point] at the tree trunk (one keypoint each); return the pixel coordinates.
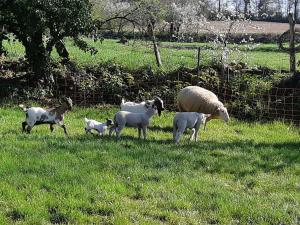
(2, 51)
(38, 59)
(155, 47)
(156, 52)
(2, 38)
(296, 10)
(292, 45)
(246, 8)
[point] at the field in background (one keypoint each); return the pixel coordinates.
(140, 54)
(251, 27)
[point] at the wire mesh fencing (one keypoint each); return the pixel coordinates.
(274, 103)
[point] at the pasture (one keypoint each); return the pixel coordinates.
(237, 173)
(139, 54)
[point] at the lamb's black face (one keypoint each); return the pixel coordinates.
(109, 122)
(159, 105)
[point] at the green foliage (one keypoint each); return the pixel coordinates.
(139, 54)
(41, 25)
(230, 173)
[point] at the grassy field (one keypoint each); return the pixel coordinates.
(239, 173)
(140, 54)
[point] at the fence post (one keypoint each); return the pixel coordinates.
(198, 61)
(292, 45)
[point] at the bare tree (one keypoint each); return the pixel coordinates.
(246, 7)
(296, 9)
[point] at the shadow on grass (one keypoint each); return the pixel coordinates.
(163, 129)
(239, 158)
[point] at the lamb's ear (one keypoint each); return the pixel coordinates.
(148, 104)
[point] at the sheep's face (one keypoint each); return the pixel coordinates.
(158, 102)
(223, 114)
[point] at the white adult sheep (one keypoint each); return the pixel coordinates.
(143, 106)
(183, 120)
(197, 99)
(130, 119)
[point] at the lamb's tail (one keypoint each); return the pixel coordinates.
(86, 120)
(23, 107)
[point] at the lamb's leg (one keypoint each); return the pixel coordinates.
(174, 133)
(111, 130)
(145, 132)
(65, 129)
(192, 135)
(87, 130)
(180, 129)
(174, 130)
(197, 127)
(52, 127)
(29, 129)
(196, 134)
(62, 125)
(178, 136)
(118, 132)
(208, 118)
(24, 124)
(140, 131)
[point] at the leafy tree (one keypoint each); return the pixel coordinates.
(41, 25)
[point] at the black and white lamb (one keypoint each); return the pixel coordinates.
(52, 116)
(95, 125)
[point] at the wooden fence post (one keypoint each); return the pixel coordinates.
(292, 45)
(198, 61)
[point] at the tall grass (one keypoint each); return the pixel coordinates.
(237, 173)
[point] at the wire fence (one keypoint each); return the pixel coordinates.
(260, 104)
(274, 103)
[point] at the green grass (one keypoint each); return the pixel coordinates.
(140, 54)
(240, 173)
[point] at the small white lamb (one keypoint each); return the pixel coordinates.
(183, 120)
(130, 119)
(95, 125)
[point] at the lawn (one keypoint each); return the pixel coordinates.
(140, 54)
(237, 173)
